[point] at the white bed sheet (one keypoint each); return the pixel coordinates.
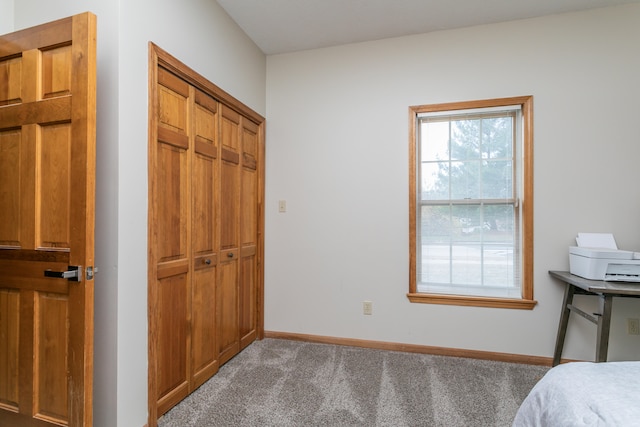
(584, 394)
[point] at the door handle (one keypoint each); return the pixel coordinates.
(73, 274)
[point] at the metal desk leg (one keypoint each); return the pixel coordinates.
(604, 323)
(564, 321)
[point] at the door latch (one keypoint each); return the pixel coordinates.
(73, 273)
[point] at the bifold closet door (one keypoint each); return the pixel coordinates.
(171, 202)
(227, 295)
(204, 180)
(249, 214)
(206, 186)
(237, 291)
(186, 200)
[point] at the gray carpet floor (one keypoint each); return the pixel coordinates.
(277, 382)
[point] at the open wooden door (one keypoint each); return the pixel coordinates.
(47, 180)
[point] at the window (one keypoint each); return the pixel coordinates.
(471, 203)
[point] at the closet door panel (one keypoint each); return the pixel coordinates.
(204, 240)
(172, 202)
(248, 232)
(249, 198)
(227, 307)
(230, 179)
(248, 297)
(228, 298)
(204, 175)
(172, 365)
(204, 350)
(171, 217)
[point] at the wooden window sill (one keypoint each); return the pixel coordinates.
(521, 304)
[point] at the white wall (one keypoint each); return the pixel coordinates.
(6, 17)
(200, 34)
(337, 152)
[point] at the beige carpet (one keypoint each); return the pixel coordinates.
(288, 383)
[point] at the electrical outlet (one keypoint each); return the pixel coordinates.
(633, 326)
(367, 308)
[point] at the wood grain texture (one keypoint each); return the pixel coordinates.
(47, 134)
(206, 166)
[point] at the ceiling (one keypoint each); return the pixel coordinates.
(279, 26)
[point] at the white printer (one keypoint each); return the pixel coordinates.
(597, 258)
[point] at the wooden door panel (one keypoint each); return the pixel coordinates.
(172, 336)
(230, 199)
(171, 215)
(10, 77)
(227, 307)
(172, 197)
(229, 178)
(204, 179)
(205, 124)
(172, 275)
(56, 75)
(172, 203)
(249, 144)
(53, 187)
(47, 177)
(11, 151)
(204, 175)
(249, 208)
(173, 93)
(204, 220)
(9, 328)
(248, 221)
(229, 136)
(204, 235)
(249, 192)
(230, 185)
(50, 356)
(248, 294)
(204, 351)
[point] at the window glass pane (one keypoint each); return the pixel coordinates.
(466, 264)
(465, 139)
(467, 222)
(435, 224)
(497, 137)
(499, 267)
(499, 221)
(465, 180)
(435, 265)
(435, 229)
(468, 249)
(497, 179)
(435, 141)
(434, 181)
